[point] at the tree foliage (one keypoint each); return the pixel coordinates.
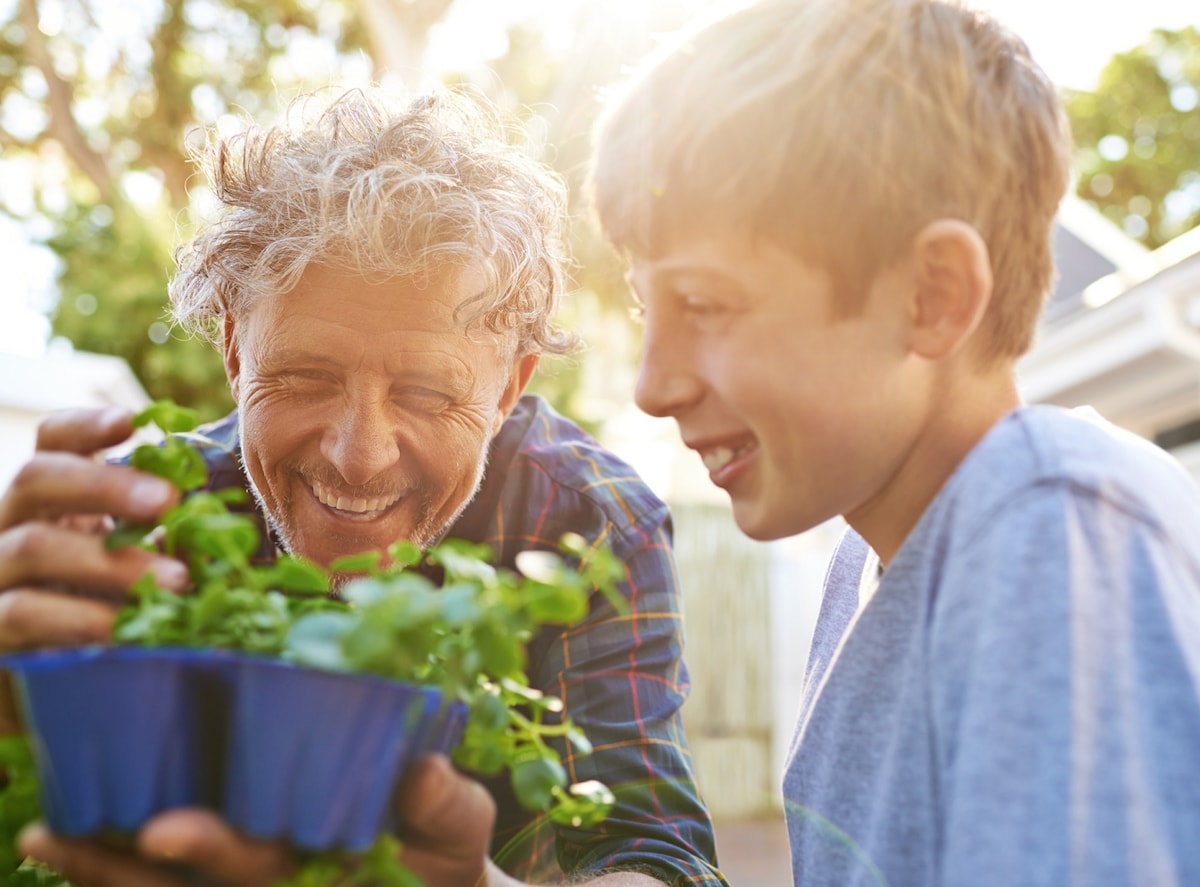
(98, 111)
(1138, 135)
(98, 108)
(562, 90)
(97, 101)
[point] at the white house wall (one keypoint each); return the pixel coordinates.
(33, 387)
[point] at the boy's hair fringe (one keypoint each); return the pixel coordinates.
(838, 130)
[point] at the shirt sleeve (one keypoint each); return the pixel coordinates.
(623, 681)
(1067, 643)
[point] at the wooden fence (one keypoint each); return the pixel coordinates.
(729, 718)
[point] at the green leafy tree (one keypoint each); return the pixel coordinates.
(1138, 137)
(97, 102)
(98, 110)
(561, 88)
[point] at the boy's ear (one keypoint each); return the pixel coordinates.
(953, 286)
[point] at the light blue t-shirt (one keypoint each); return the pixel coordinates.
(1019, 702)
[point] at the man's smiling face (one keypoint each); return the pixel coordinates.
(366, 409)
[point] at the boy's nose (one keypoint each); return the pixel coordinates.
(362, 444)
(665, 382)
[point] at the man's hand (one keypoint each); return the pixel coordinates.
(59, 586)
(446, 825)
(446, 828)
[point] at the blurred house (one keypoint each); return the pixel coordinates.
(1120, 332)
(33, 386)
(1126, 341)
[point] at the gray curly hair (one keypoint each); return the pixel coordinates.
(380, 190)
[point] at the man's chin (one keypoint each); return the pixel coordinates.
(326, 548)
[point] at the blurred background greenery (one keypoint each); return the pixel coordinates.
(97, 99)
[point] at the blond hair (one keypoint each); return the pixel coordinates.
(838, 129)
(380, 190)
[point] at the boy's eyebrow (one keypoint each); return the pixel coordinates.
(675, 275)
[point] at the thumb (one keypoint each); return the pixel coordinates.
(446, 822)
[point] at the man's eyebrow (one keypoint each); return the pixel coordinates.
(295, 353)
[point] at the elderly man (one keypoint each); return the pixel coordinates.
(381, 282)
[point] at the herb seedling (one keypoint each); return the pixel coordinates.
(465, 633)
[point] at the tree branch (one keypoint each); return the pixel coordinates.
(399, 35)
(62, 126)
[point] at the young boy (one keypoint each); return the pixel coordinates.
(838, 220)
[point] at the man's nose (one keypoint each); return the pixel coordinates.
(666, 382)
(363, 442)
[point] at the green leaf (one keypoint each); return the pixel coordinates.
(584, 805)
(366, 562)
(175, 461)
(535, 779)
(545, 567)
(555, 604)
(294, 573)
(368, 647)
(127, 534)
(503, 653)
(464, 560)
(404, 554)
(223, 535)
(573, 544)
(458, 604)
(168, 416)
(483, 752)
(315, 639)
(488, 712)
(19, 800)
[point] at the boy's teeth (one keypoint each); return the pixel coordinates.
(718, 458)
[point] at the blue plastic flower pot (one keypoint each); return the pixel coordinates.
(314, 756)
(123, 733)
(119, 733)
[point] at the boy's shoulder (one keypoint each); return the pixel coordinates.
(1080, 447)
(1045, 449)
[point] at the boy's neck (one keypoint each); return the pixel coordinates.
(964, 412)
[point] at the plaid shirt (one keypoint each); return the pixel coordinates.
(621, 676)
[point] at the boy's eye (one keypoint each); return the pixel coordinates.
(699, 306)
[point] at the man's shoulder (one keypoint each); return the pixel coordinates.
(219, 446)
(538, 446)
(219, 434)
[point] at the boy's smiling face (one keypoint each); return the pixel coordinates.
(799, 414)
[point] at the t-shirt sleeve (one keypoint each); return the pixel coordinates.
(1067, 643)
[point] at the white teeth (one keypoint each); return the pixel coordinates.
(354, 506)
(714, 460)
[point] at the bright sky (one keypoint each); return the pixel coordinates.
(1072, 39)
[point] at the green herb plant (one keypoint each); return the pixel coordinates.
(465, 632)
